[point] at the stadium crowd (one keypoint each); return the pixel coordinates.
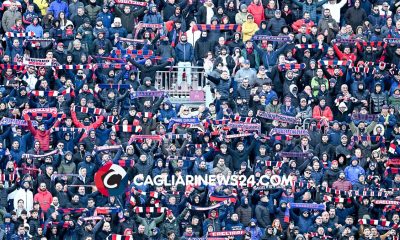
(302, 89)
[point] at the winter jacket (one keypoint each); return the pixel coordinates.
(58, 6)
(9, 18)
(44, 198)
(42, 136)
(275, 25)
(263, 215)
(248, 30)
(37, 29)
(257, 10)
(352, 173)
(26, 195)
(310, 8)
(184, 52)
(221, 85)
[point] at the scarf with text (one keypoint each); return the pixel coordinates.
(365, 117)
(19, 122)
(291, 132)
(131, 2)
(392, 40)
(295, 154)
(245, 126)
(38, 62)
(277, 117)
(108, 148)
(271, 38)
(114, 86)
(173, 121)
(107, 210)
(141, 94)
(240, 135)
(227, 233)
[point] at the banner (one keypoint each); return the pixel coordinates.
(38, 62)
(19, 122)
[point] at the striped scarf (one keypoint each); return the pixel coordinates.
(112, 119)
(343, 40)
(50, 93)
(306, 46)
(38, 62)
(71, 210)
(90, 111)
(368, 193)
(217, 27)
(152, 137)
(336, 199)
(271, 38)
(198, 208)
(132, 52)
(274, 163)
(181, 158)
(127, 128)
(117, 236)
(288, 66)
(334, 63)
(9, 177)
(19, 35)
(107, 210)
(68, 129)
(373, 43)
(114, 86)
(361, 70)
(375, 222)
(242, 119)
(172, 136)
(149, 209)
(15, 67)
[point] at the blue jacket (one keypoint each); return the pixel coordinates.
(58, 6)
(352, 173)
(269, 58)
(167, 114)
(153, 18)
(107, 18)
(38, 30)
(120, 30)
(388, 128)
(184, 52)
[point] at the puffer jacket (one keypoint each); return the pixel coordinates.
(378, 100)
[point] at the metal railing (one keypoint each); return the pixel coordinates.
(166, 80)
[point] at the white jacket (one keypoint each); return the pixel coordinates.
(335, 9)
(25, 195)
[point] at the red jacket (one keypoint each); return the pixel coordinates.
(44, 198)
(42, 136)
(343, 56)
(257, 11)
(78, 124)
(318, 113)
(296, 25)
